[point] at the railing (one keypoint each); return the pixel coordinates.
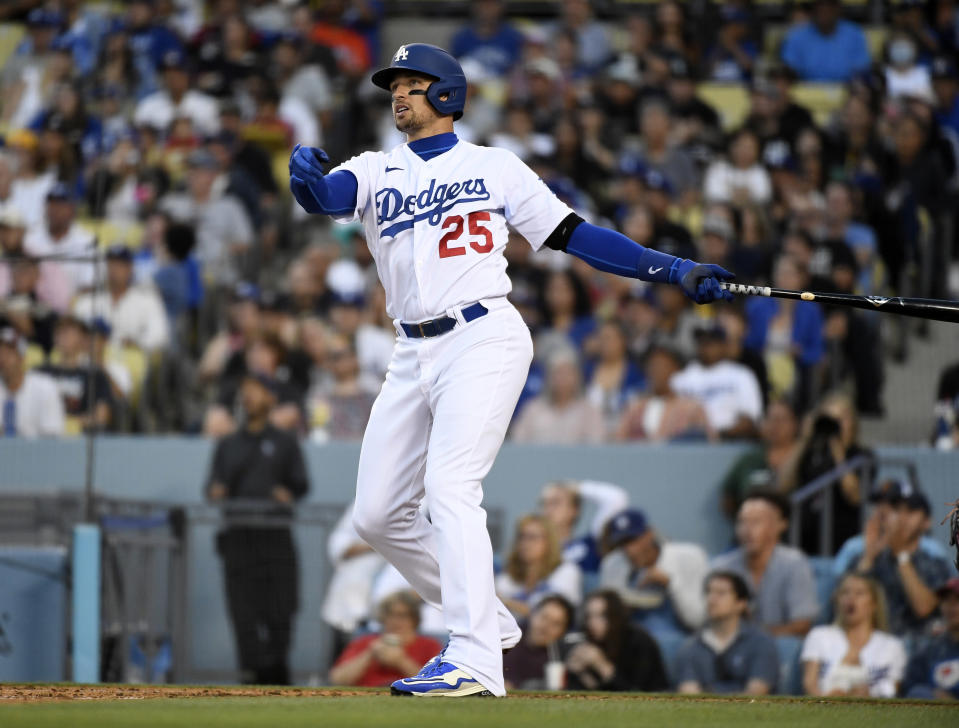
(823, 486)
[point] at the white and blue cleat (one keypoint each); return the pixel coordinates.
(439, 679)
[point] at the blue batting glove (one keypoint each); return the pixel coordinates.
(306, 163)
(700, 281)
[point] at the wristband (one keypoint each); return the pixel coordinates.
(903, 557)
(655, 266)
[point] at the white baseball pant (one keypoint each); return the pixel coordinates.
(435, 429)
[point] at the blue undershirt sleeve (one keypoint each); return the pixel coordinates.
(334, 194)
(612, 252)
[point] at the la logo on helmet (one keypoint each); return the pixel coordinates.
(401, 54)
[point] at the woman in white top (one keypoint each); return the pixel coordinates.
(535, 569)
(855, 655)
(741, 179)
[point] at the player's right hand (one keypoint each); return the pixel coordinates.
(306, 163)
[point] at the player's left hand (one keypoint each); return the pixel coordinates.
(700, 281)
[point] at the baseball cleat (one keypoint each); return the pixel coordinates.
(441, 680)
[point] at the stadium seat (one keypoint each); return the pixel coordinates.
(730, 100)
(822, 99)
(10, 36)
(109, 233)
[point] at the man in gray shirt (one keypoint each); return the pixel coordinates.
(779, 576)
(729, 655)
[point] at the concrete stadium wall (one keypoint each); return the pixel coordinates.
(677, 485)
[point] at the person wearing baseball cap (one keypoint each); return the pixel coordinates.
(135, 313)
(61, 237)
(885, 499)
(945, 85)
(177, 98)
(30, 405)
(660, 581)
(908, 575)
(933, 670)
(259, 462)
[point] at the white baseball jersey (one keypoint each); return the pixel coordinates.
(437, 228)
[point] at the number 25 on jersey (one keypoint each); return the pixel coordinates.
(455, 223)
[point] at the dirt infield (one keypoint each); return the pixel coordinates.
(50, 693)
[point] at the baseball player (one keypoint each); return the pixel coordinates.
(435, 213)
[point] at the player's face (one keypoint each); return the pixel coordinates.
(411, 112)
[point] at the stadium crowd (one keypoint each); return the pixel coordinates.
(153, 261)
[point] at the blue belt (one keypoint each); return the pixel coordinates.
(437, 326)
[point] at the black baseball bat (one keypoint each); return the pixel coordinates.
(927, 308)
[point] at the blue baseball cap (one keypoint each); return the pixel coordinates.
(120, 251)
(264, 380)
(246, 291)
(626, 525)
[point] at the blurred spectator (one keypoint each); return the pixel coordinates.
(346, 605)
(226, 53)
(262, 464)
(61, 238)
(615, 654)
(341, 411)
(826, 48)
(729, 654)
(773, 115)
(780, 577)
(733, 322)
(904, 75)
(727, 390)
(562, 504)
(592, 39)
(830, 438)
(908, 574)
(660, 414)
(561, 414)
(224, 234)
(857, 655)
(740, 178)
(677, 322)
(87, 396)
(698, 125)
(734, 54)
(177, 99)
(135, 313)
(376, 660)
(28, 74)
(242, 325)
(151, 41)
(373, 344)
(660, 581)
(534, 568)
(31, 404)
(297, 77)
(264, 354)
(524, 666)
(763, 466)
(43, 282)
(945, 84)
(22, 308)
(613, 380)
(673, 35)
(946, 435)
(861, 239)
(882, 522)
(488, 38)
(661, 156)
(788, 335)
(931, 671)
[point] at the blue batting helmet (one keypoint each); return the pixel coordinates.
(436, 63)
